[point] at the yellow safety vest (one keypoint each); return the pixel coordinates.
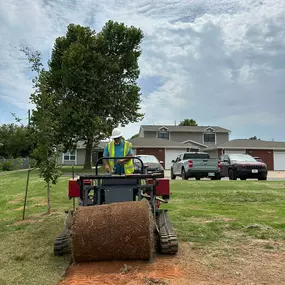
(128, 166)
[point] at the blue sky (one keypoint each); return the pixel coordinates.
(219, 62)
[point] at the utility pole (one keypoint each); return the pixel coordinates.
(29, 117)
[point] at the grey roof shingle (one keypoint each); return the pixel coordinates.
(247, 143)
(155, 142)
(172, 128)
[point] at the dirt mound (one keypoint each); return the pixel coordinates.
(160, 272)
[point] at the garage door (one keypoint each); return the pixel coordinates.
(279, 160)
(171, 154)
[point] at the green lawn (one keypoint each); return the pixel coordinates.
(203, 212)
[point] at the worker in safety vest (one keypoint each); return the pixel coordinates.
(118, 147)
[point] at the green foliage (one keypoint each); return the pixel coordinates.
(188, 122)
(254, 138)
(7, 166)
(93, 77)
(134, 136)
(44, 128)
(90, 88)
(14, 141)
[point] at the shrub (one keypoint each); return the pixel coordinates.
(7, 166)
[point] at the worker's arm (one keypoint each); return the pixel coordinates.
(105, 161)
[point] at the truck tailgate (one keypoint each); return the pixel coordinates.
(205, 164)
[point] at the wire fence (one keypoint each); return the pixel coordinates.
(15, 163)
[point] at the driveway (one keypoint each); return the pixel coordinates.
(272, 175)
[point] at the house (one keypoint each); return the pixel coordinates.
(167, 142)
(271, 152)
(164, 141)
(203, 135)
(171, 140)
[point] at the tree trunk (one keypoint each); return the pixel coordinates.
(48, 197)
(88, 153)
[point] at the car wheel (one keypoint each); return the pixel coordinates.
(242, 178)
(232, 175)
(183, 174)
(172, 175)
(218, 177)
(262, 178)
(197, 178)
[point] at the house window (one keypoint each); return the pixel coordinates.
(69, 156)
(163, 135)
(209, 138)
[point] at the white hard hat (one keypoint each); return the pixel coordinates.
(116, 133)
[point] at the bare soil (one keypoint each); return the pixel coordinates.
(252, 263)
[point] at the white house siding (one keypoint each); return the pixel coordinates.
(279, 160)
(80, 156)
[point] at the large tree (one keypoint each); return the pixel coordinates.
(188, 122)
(93, 79)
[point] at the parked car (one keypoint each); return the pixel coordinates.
(195, 164)
(242, 166)
(258, 159)
(151, 163)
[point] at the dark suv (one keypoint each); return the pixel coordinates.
(242, 166)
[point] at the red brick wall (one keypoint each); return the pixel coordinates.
(265, 154)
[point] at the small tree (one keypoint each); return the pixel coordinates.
(254, 138)
(43, 126)
(188, 122)
(135, 136)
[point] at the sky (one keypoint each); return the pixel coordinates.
(220, 62)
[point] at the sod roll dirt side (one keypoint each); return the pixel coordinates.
(118, 231)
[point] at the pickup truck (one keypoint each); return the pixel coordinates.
(196, 164)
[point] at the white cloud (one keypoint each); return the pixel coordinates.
(220, 62)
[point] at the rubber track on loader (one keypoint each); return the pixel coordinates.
(167, 236)
(62, 243)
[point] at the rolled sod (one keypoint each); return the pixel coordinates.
(117, 231)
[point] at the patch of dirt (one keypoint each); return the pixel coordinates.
(19, 209)
(161, 271)
(253, 262)
(226, 220)
(17, 200)
(25, 222)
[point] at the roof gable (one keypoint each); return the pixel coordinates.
(191, 142)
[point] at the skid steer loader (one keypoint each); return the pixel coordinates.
(117, 217)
